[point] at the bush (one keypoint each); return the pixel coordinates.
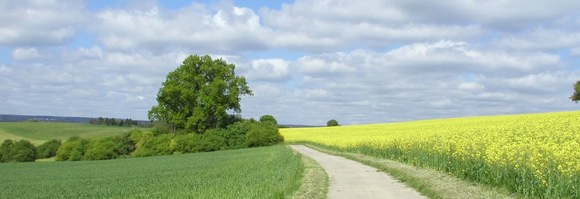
(102, 149)
(6, 150)
(20, 151)
(162, 127)
(263, 134)
(124, 145)
(235, 134)
(188, 143)
(268, 118)
(73, 149)
(214, 140)
(48, 149)
(155, 145)
(332, 122)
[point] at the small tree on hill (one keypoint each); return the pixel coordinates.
(332, 122)
(576, 96)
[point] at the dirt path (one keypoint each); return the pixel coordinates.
(351, 179)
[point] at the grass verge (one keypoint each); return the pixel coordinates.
(429, 182)
(314, 182)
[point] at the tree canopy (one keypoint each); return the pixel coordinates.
(576, 96)
(332, 122)
(201, 94)
(269, 118)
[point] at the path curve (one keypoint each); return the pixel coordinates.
(351, 179)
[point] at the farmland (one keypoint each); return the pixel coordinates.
(534, 155)
(39, 132)
(265, 172)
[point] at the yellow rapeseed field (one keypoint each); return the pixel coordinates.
(536, 155)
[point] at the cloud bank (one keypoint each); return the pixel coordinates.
(307, 61)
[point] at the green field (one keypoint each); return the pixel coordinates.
(265, 172)
(40, 132)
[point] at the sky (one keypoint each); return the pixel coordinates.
(307, 61)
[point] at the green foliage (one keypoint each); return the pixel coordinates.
(73, 149)
(156, 145)
(332, 122)
(124, 145)
(214, 140)
(199, 94)
(576, 96)
(188, 143)
(6, 150)
(162, 127)
(48, 149)
(268, 118)
(268, 172)
(263, 134)
(20, 151)
(102, 149)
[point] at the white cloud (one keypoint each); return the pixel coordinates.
(24, 54)
(269, 69)
(39, 22)
(194, 27)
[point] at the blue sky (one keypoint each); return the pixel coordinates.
(307, 62)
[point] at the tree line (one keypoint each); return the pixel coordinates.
(114, 122)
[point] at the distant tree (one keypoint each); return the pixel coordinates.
(48, 149)
(269, 118)
(576, 96)
(332, 122)
(200, 94)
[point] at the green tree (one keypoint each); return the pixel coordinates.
(269, 118)
(200, 94)
(576, 96)
(23, 151)
(332, 122)
(48, 149)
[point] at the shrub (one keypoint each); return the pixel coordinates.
(263, 134)
(102, 149)
(124, 145)
(268, 118)
(73, 149)
(155, 145)
(6, 150)
(235, 134)
(214, 140)
(48, 149)
(162, 127)
(188, 143)
(20, 151)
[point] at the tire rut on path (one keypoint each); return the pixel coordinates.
(351, 179)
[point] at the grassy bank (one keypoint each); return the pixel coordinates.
(266, 172)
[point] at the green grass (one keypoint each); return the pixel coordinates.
(315, 181)
(266, 172)
(40, 132)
